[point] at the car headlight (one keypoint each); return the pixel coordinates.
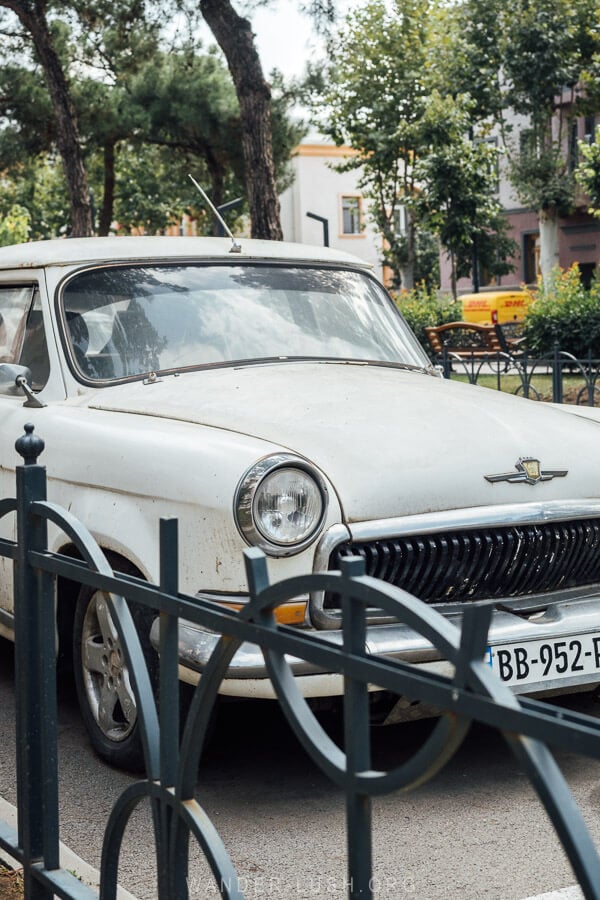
(280, 504)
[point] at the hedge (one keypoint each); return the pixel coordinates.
(564, 312)
(421, 307)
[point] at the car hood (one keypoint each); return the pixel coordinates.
(391, 442)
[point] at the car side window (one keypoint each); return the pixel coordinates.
(22, 334)
(34, 352)
(15, 303)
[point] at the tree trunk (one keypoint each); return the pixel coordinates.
(32, 15)
(108, 197)
(407, 270)
(549, 258)
(217, 182)
(235, 38)
(453, 283)
(407, 278)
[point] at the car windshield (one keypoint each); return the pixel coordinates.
(126, 321)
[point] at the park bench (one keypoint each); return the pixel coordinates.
(464, 339)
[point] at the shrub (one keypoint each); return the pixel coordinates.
(14, 226)
(422, 307)
(564, 312)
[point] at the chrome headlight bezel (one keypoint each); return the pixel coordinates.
(245, 495)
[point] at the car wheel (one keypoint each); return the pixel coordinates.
(103, 683)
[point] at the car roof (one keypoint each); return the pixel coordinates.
(80, 251)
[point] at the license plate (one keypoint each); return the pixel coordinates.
(536, 662)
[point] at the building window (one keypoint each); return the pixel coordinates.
(573, 147)
(351, 215)
(589, 128)
(527, 143)
(493, 167)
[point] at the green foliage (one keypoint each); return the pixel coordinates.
(38, 186)
(473, 64)
(539, 59)
(457, 199)
(495, 248)
(587, 173)
(138, 82)
(376, 94)
(152, 190)
(28, 125)
(547, 46)
(14, 226)
(392, 97)
(564, 312)
(422, 307)
(427, 261)
(186, 103)
(543, 181)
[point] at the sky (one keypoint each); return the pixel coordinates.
(286, 39)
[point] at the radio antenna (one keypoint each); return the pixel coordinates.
(235, 247)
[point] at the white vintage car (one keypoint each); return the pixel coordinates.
(274, 397)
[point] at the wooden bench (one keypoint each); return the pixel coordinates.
(464, 339)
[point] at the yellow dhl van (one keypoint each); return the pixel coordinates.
(491, 307)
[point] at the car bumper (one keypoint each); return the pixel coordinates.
(247, 674)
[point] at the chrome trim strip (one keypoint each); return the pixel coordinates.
(330, 539)
(477, 517)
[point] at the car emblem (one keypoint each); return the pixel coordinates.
(528, 472)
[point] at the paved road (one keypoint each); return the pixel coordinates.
(476, 831)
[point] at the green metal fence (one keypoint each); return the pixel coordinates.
(473, 694)
(559, 376)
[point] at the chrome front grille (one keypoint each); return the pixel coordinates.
(491, 562)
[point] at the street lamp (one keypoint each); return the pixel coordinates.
(325, 223)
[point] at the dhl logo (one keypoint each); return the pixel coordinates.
(494, 307)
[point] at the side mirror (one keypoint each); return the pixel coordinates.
(15, 380)
(10, 378)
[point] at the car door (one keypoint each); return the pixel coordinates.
(22, 342)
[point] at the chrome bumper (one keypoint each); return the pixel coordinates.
(558, 620)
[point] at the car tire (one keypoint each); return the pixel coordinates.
(104, 688)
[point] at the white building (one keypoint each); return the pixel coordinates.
(334, 197)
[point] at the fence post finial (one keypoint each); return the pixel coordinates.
(29, 446)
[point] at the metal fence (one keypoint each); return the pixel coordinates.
(472, 694)
(558, 365)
